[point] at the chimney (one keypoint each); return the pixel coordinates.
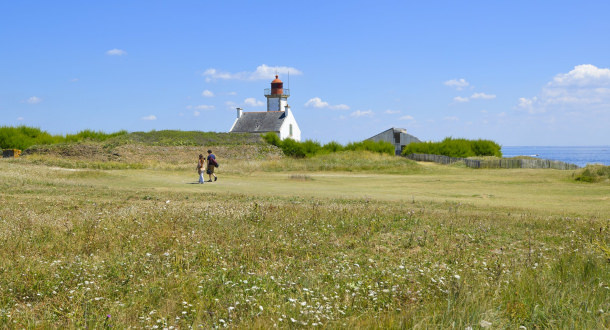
(287, 109)
(239, 112)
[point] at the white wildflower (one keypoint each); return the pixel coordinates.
(484, 324)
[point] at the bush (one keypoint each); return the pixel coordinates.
(381, 147)
(593, 173)
(293, 148)
(22, 137)
(311, 148)
(272, 139)
(332, 146)
(460, 148)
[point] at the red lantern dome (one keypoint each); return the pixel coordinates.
(277, 86)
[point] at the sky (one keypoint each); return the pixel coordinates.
(521, 73)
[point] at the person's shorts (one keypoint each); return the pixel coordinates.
(210, 169)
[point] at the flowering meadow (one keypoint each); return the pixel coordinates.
(145, 248)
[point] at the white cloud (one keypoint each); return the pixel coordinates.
(583, 75)
(151, 117)
(33, 100)
(407, 117)
(116, 52)
(200, 107)
(74, 80)
(317, 102)
(458, 84)
(451, 118)
(392, 112)
(475, 96)
(585, 89)
(207, 93)
(253, 102)
(482, 96)
(359, 113)
(232, 93)
(196, 113)
(20, 118)
(262, 72)
(231, 105)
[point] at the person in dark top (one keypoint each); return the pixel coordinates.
(212, 164)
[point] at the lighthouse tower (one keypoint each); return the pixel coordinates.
(277, 96)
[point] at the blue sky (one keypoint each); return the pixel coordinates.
(516, 72)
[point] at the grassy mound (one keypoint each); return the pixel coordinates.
(348, 161)
(187, 138)
(593, 173)
(155, 149)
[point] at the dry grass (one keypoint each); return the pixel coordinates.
(440, 247)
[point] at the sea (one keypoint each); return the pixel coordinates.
(580, 156)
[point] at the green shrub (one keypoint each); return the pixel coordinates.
(293, 148)
(311, 148)
(381, 147)
(593, 173)
(332, 146)
(460, 148)
(272, 139)
(22, 137)
(88, 134)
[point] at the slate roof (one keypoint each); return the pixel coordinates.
(259, 122)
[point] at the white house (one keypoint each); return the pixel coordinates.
(278, 118)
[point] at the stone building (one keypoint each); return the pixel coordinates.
(397, 136)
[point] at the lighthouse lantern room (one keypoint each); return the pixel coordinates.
(277, 96)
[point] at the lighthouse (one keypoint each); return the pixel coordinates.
(277, 96)
(278, 118)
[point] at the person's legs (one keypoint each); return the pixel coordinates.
(210, 173)
(201, 177)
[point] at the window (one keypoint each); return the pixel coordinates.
(397, 137)
(290, 128)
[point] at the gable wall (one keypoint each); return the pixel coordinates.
(285, 129)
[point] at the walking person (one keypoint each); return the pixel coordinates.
(200, 165)
(212, 164)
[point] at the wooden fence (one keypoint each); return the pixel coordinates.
(495, 163)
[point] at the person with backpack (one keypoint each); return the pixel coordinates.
(212, 164)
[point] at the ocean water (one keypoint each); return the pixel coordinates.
(580, 156)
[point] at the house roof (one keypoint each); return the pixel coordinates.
(402, 131)
(259, 122)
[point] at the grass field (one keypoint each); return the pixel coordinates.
(351, 241)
